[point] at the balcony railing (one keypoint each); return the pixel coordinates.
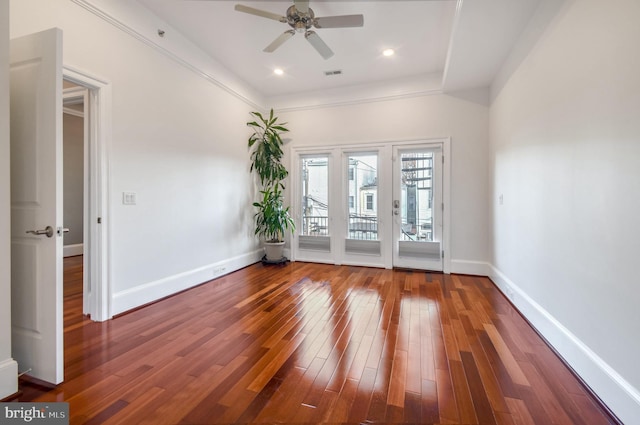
(363, 227)
(422, 232)
(313, 225)
(360, 227)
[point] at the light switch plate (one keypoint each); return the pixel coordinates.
(128, 198)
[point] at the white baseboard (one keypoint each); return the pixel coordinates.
(476, 268)
(617, 393)
(143, 294)
(8, 378)
(72, 250)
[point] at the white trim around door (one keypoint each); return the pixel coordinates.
(97, 288)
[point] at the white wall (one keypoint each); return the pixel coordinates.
(178, 142)
(8, 367)
(565, 134)
(462, 116)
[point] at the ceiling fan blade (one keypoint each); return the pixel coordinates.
(279, 41)
(343, 21)
(318, 44)
(262, 13)
(302, 5)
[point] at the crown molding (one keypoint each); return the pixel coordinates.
(176, 57)
(336, 104)
(420, 85)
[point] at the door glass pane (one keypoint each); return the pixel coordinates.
(416, 207)
(315, 196)
(363, 196)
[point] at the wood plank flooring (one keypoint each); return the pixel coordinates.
(310, 343)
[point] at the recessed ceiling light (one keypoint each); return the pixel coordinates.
(278, 71)
(388, 52)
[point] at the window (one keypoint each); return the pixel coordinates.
(417, 196)
(362, 186)
(315, 196)
(370, 201)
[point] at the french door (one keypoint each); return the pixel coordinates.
(417, 208)
(315, 210)
(370, 205)
(362, 208)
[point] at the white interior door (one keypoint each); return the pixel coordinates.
(36, 205)
(417, 208)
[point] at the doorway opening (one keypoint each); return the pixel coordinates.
(86, 107)
(75, 190)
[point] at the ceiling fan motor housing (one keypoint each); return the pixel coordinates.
(300, 21)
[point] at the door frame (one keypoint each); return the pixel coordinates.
(97, 285)
(385, 149)
(438, 207)
(328, 257)
(383, 155)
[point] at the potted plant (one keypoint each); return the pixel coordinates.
(272, 219)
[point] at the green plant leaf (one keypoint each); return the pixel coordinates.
(272, 219)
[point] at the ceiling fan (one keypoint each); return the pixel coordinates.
(301, 18)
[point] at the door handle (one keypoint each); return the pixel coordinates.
(46, 231)
(62, 230)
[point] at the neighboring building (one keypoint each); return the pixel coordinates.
(315, 196)
(363, 197)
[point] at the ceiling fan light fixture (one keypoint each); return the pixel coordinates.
(301, 18)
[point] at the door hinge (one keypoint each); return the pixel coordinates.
(443, 253)
(99, 220)
(442, 206)
(443, 159)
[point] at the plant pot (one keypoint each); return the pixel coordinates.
(273, 250)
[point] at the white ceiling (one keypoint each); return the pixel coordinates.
(461, 44)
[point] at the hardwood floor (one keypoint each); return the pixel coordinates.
(309, 343)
